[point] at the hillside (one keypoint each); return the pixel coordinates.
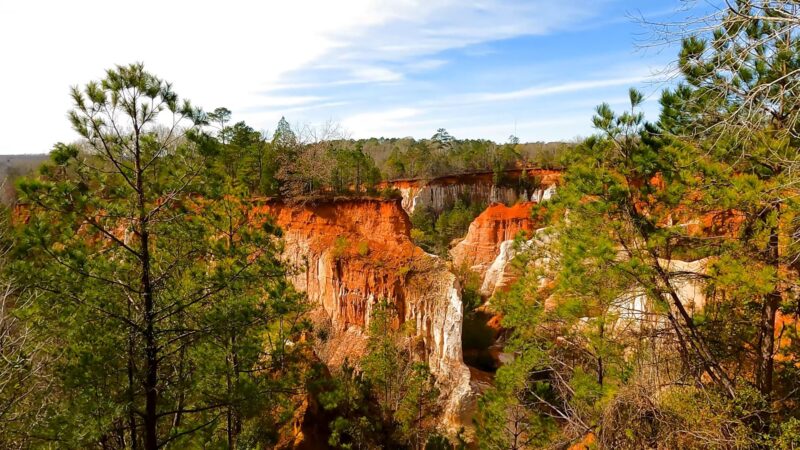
(14, 166)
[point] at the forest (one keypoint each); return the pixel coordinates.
(145, 305)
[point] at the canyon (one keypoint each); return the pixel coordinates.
(349, 253)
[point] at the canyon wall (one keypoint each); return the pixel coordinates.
(352, 253)
(489, 246)
(439, 193)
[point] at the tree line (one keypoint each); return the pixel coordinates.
(301, 161)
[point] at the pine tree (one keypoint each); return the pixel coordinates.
(737, 106)
(284, 136)
(157, 289)
(443, 139)
(220, 117)
(402, 388)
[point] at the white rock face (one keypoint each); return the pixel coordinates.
(545, 194)
(443, 323)
(496, 271)
(439, 193)
(690, 287)
(409, 195)
(685, 277)
(345, 291)
(439, 197)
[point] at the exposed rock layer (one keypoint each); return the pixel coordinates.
(488, 247)
(439, 193)
(354, 252)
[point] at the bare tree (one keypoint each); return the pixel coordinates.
(306, 164)
(24, 367)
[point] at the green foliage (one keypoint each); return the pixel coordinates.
(507, 415)
(327, 165)
(25, 378)
(444, 155)
(710, 180)
(622, 189)
(341, 245)
(144, 307)
(353, 170)
(284, 137)
(403, 388)
(347, 396)
(294, 166)
(246, 158)
(470, 288)
(403, 271)
(435, 232)
(734, 113)
(167, 311)
(362, 248)
(443, 139)
(679, 417)
(789, 435)
(390, 402)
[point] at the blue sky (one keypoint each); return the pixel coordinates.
(392, 68)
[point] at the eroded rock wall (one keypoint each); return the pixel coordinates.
(351, 254)
(488, 247)
(440, 193)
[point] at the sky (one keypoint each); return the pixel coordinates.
(379, 68)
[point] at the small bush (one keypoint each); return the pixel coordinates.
(403, 271)
(340, 246)
(470, 288)
(789, 437)
(391, 194)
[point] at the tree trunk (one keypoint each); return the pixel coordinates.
(131, 395)
(600, 368)
(176, 421)
(233, 421)
(151, 353)
(769, 310)
(151, 347)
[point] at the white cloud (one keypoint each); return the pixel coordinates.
(568, 87)
(236, 53)
(276, 101)
(403, 29)
(375, 75)
(425, 65)
(379, 123)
